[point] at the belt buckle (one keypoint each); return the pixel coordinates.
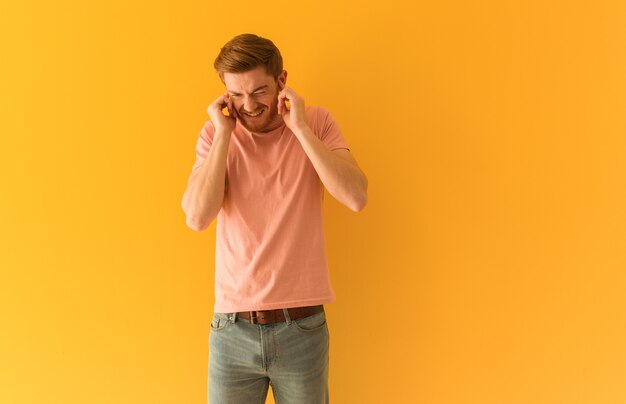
(253, 319)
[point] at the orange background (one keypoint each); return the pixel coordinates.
(487, 268)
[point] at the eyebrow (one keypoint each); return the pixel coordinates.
(254, 91)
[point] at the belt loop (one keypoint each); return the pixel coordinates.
(287, 318)
(233, 317)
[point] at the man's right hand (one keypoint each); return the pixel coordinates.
(222, 123)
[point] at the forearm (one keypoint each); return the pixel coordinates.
(345, 181)
(204, 195)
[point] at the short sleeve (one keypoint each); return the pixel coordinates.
(203, 145)
(330, 133)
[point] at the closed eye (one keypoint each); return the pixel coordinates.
(237, 95)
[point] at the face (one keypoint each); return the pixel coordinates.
(252, 92)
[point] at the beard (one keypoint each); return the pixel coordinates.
(268, 120)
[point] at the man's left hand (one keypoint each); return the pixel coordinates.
(294, 114)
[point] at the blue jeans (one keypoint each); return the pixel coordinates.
(245, 358)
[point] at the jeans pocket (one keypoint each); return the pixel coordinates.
(220, 321)
(310, 323)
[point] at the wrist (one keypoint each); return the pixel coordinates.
(222, 133)
(301, 128)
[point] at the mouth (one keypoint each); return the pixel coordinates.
(255, 115)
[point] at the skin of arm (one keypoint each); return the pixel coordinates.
(204, 195)
(337, 169)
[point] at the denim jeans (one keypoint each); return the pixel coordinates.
(245, 358)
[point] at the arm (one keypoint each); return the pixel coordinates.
(337, 169)
(204, 195)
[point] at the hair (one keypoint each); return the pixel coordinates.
(246, 52)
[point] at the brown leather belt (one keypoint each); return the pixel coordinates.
(277, 315)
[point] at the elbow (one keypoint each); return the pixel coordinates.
(197, 225)
(194, 220)
(359, 204)
(190, 222)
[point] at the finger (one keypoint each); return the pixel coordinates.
(223, 103)
(287, 91)
(283, 99)
(231, 109)
(222, 100)
(221, 106)
(280, 104)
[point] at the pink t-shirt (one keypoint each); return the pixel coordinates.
(270, 247)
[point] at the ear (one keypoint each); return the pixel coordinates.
(282, 79)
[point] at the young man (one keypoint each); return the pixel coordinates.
(261, 170)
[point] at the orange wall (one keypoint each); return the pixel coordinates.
(488, 267)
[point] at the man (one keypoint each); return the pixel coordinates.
(260, 169)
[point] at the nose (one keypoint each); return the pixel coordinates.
(249, 105)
